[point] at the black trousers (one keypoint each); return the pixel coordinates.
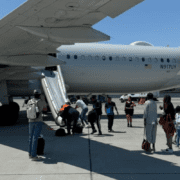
(98, 123)
(110, 121)
(73, 119)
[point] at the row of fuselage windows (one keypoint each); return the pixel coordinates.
(118, 58)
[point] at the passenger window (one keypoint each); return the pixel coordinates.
(96, 57)
(162, 60)
(143, 59)
(130, 59)
(117, 58)
(110, 58)
(137, 59)
(149, 59)
(68, 56)
(168, 60)
(103, 58)
(89, 57)
(174, 61)
(83, 57)
(75, 56)
(156, 60)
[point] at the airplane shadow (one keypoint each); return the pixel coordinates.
(74, 150)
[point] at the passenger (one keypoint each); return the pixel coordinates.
(35, 125)
(177, 125)
(168, 126)
(150, 120)
(129, 110)
(71, 115)
(98, 109)
(109, 109)
(84, 108)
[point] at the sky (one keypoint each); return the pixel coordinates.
(153, 21)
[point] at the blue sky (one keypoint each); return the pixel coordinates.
(153, 21)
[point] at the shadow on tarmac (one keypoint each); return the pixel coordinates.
(74, 150)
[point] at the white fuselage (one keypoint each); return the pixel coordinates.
(114, 69)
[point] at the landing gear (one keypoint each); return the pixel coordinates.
(10, 114)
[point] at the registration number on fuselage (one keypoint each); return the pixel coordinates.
(167, 66)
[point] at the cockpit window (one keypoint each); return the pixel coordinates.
(68, 56)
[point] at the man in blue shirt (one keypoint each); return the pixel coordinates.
(109, 109)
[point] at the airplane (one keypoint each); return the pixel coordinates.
(29, 41)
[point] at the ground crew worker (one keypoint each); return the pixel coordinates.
(35, 125)
(109, 109)
(98, 109)
(71, 115)
(84, 108)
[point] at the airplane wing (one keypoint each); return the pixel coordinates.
(39, 27)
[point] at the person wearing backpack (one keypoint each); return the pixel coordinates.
(109, 109)
(97, 107)
(34, 114)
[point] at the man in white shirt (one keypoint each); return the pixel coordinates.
(150, 120)
(84, 108)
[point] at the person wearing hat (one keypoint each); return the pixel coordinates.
(35, 125)
(150, 120)
(98, 109)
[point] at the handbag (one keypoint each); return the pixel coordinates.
(145, 143)
(162, 120)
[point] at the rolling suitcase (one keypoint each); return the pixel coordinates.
(40, 145)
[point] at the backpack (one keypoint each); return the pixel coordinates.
(31, 109)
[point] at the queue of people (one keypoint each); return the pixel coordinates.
(170, 119)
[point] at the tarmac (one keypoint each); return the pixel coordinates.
(115, 155)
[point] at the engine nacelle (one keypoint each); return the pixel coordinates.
(23, 88)
(140, 43)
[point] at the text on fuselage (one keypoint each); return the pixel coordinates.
(167, 66)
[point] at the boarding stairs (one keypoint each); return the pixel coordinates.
(55, 91)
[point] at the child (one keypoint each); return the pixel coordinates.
(177, 125)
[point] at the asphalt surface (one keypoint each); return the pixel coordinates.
(115, 155)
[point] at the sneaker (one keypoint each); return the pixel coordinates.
(128, 125)
(112, 130)
(109, 130)
(94, 131)
(167, 150)
(36, 158)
